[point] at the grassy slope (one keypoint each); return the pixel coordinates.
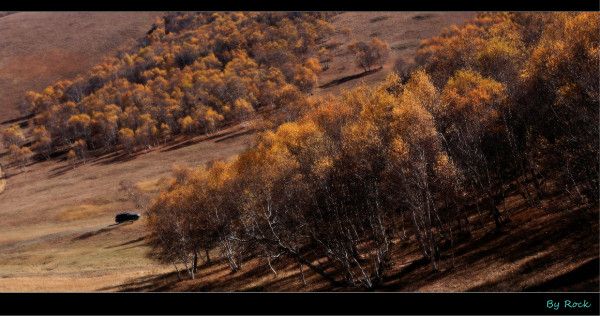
(55, 231)
(401, 30)
(38, 48)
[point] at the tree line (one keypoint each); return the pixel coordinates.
(506, 102)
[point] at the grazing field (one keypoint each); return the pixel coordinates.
(57, 230)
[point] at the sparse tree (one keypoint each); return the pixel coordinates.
(370, 54)
(127, 138)
(12, 135)
(19, 156)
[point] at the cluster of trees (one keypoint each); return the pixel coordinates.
(192, 73)
(505, 101)
(12, 138)
(545, 67)
(370, 54)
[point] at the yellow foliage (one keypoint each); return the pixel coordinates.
(197, 70)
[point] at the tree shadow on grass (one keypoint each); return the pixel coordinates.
(130, 242)
(234, 135)
(122, 156)
(254, 275)
(186, 142)
(339, 81)
(60, 170)
(154, 282)
(100, 231)
(582, 278)
(17, 120)
(219, 136)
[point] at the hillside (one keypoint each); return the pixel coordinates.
(57, 231)
(464, 134)
(46, 237)
(403, 31)
(61, 237)
(560, 255)
(39, 48)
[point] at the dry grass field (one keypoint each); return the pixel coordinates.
(38, 48)
(56, 219)
(2, 181)
(57, 230)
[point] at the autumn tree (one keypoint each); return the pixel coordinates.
(222, 69)
(469, 118)
(560, 94)
(19, 156)
(79, 125)
(503, 102)
(12, 135)
(127, 138)
(323, 180)
(370, 54)
(71, 156)
(43, 142)
(81, 149)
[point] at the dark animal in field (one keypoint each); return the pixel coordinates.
(126, 217)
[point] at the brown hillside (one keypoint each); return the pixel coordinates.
(403, 31)
(56, 217)
(57, 231)
(62, 230)
(38, 48)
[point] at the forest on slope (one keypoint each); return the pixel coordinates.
(505, 102)
(191, 74)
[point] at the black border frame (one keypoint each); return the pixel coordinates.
(254, 303)
(302, 5)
